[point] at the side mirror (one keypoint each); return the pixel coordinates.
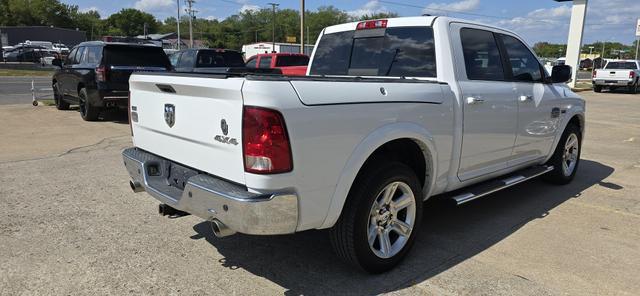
(560, 74)
(57, 62)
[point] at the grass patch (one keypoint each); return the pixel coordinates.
(20, 72)
(48, 102)
(584, 85)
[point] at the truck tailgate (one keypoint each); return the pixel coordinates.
(194, 121)
(612, 74)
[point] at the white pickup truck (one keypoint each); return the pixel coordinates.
(392, 112)
(618, 74)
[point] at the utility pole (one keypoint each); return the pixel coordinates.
(302, 26)
(273, 31)
(308, 37)
(192, 14)
(178, 22)
(637, 37)
(602, 56)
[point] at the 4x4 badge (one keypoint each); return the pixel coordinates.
(170, 114)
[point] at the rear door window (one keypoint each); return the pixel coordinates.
(265, 62)
(93, 55)
(481, 55)
(140, 56)
(400, 51)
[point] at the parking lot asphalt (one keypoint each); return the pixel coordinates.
(17, 90)
(71, 225)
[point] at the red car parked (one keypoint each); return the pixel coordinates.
(291, 64)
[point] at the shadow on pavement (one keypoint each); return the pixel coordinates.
(108, 115)
(304, 263)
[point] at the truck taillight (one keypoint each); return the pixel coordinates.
(130, 113)
(265, 142)
(377, 24)
(594, 73)
(632, 74)
(101, 73)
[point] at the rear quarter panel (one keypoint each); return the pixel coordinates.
(331, 142)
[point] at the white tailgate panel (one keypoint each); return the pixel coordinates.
(200, 105)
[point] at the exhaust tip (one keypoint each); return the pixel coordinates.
(135, 186)
(220, 229)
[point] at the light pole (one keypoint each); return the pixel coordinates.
(273, 30)
(590, 50)
(191, 13)
(178, 22)
(302, 26)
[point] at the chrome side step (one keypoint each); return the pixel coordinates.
(485, 188)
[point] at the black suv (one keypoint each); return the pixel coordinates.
(206, 60)
(95, 74)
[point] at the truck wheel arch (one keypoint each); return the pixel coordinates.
(573, 116)
(367, 150)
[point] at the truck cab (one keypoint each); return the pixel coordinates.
(291, 64)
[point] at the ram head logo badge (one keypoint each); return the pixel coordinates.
(170, 114)
(224, 139)
(225, 127)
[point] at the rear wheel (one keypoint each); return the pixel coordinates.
(380, 219)
(566, 157)
(58, 98)
(597, 88)
(87, 111)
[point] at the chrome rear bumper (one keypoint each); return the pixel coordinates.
(212, 198)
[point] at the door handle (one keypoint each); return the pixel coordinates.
(526, 98)
(474, 101)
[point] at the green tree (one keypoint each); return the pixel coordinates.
(130, 22)
(89, 22)
(375, 16)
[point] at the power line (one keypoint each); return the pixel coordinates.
(485, 15)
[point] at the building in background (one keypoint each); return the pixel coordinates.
(10, 36)
(266, 47)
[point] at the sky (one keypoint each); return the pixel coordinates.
(534, 20)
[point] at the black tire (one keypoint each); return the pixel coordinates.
(58, 98)
(597, 88)
(87, 111)
(559, 175)
(349, 236)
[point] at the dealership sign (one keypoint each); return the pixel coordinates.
(638, 28)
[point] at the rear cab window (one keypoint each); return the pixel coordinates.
(213, 59)
(622, 65)
(265, 62)
(394, 52)
(482, 57)
(292, 60)
(138, 56)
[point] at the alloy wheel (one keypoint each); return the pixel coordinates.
(391, 219)
(570, 155)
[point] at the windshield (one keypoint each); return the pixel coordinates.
(293, 60)
(140, 56)
(622, 65)
(214, 59)
(400, 51)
